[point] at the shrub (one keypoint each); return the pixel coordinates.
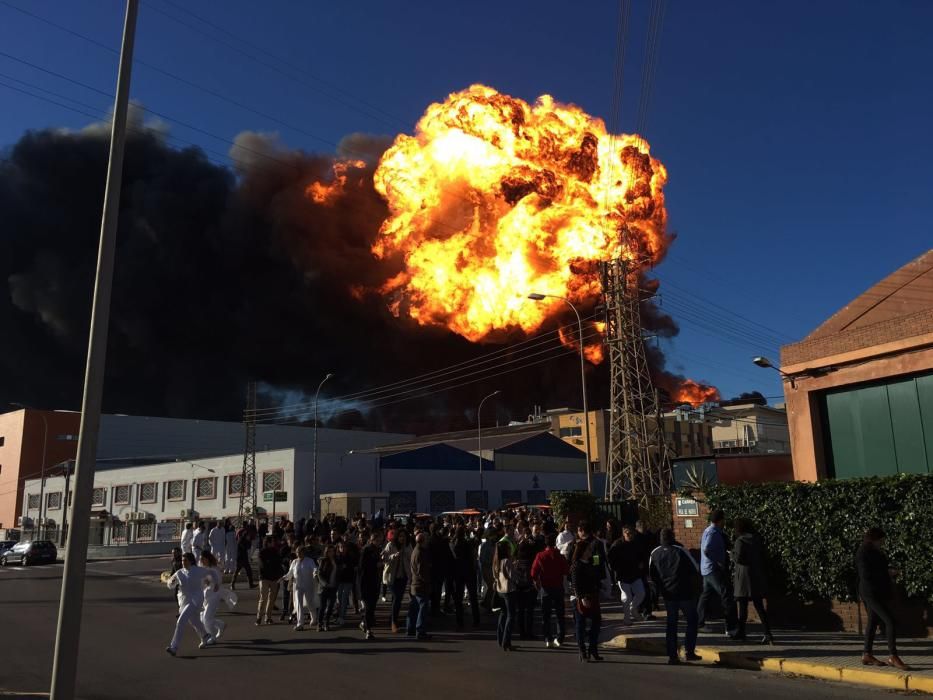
(575, 505)
(811, 530)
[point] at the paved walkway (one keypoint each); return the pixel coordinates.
(827, 655)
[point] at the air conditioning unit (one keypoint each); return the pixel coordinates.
(189, 513)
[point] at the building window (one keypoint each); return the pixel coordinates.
(99, 497)
(121, 495)
(176, 490)
(33, 503)
(511, 496)
(235, 485)
(205, 488)
(403, 501)
(442, 501)
(272, 481)
(118, 531)
(147, 492)
(477, 499)
(2, 440)
(53, 501)
(571, 432)
(145, 531)
(537, 497)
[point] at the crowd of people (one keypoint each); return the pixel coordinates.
(508, 562)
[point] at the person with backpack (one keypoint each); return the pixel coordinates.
(526, 595)
(503, 573)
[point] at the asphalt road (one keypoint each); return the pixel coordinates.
(129, 618)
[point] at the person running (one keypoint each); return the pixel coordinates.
(625, 561)
(464, 568)
(213, 595)
(876, 591)
(270, 571)
(370, 580)
(586, 578)
(421, 588)
(714, 566)
(397, 572)
(502, 569)
(301, 576)
(190, 580)
(674, 573)
(549, 571)
(187, 536)
(327, 580)
(749, 581)
(176, 565)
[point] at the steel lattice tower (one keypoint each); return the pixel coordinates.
(248, 488)
(637, 466)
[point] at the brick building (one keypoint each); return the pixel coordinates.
(859, 388)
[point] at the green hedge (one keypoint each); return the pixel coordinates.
(811, 530)
(576, 505)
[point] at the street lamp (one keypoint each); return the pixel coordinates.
(315, 497)
(479, 441)
(45, 442)
(765, 363)
(586, 413)
(194, 482)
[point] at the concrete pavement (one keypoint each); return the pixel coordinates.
(129, 618)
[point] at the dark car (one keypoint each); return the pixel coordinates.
(29, 553)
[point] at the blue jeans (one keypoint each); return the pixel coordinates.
(506, 620)
(398, 592)
(343, 599)
(417, 613)
(718, 584)
(674, 607)
(587, 641)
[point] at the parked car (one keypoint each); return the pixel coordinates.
(6, 544)
(29, 553)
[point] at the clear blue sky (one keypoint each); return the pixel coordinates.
(797, 135)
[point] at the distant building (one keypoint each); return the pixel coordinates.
(749, 429)
(26, 435)
(859, 388)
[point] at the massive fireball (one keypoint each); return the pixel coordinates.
(493, 198)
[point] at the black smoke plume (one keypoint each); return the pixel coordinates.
(225, 275)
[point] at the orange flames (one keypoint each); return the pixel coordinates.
(693, 393)
(493, 198)
(327, 193)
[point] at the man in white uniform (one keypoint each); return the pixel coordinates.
(190, 580)
(197, 542)
(216, 538)
(187, 536)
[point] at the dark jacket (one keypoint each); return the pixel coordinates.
(748, 577)
(370, 569)
(464, 557)
(674, 573)
(626, 560)
(346, 568)
(585, 578)
(421, 571)
(874, 579)
(270, 564)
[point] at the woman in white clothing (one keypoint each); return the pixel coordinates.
(190, 580)
(213, 595)
(304, 587)
(229, 548)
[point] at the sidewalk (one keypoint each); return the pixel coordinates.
(833, 656)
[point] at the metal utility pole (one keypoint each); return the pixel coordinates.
(68, 632)
(316, 502)
(479, 440)
(248, 478)
(636, 466)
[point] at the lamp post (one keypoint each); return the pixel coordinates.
(45, 443)
(315, 496)
(479, 440)
(765, 363)
(586, 412)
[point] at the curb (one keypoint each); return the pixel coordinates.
(792, 667)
